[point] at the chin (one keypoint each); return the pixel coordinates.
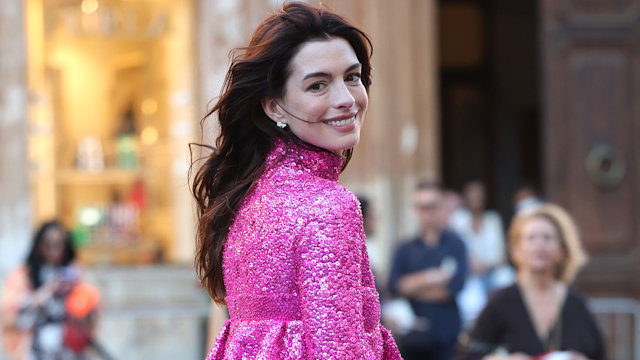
(541, 268)
(350, 143)
(337, 145)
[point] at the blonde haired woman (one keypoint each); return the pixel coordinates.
(539, 314)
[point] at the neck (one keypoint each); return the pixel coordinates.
(476, 213)
(430, 236)
(297, 153)
(542, 281)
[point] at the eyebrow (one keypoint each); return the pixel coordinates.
(324, 74)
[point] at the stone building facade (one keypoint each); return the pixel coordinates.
(15, 213)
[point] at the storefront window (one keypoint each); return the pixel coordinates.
(111, 113)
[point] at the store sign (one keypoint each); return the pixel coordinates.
(125, 20)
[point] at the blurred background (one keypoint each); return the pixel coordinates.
(99, 100)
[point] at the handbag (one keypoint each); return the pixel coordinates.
(76, 335)
(80, 305)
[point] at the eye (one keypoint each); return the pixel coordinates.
(316, 86)
(353, 77)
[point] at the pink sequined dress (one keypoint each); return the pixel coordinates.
(296, 271)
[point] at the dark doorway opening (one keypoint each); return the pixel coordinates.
(490, 98)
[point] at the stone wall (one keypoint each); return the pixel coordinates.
(14, 186)
(151, 312)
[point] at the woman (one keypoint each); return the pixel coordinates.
(481, 229)
(33, 299)
(279, 240)
(539, 314)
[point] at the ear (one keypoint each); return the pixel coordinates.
(272, 109)
(516, 255)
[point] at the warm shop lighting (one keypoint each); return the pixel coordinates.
(149, 106)
(149, 135)
(89, 6)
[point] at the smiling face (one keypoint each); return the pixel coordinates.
(325, 91)
(539, 249)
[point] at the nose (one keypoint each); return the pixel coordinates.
(342, 97)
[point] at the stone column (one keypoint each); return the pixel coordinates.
(182, 109)
(14, 185)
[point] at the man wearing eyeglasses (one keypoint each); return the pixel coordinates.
(429, 271)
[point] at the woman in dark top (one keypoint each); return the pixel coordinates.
(539, 314)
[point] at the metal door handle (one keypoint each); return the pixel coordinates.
(605, 165)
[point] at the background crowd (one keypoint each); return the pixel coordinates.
(462, 289)
(458, 289)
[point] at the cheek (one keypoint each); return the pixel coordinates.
(557, 252)
(516, 253)
(55, 253)
(524, 246)
(523, 252)
(312, 107)
(59, 251)
(362, 99)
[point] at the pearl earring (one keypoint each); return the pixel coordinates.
(281, 124)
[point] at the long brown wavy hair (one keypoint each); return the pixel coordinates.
(246, 133)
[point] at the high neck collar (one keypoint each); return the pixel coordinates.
(307, 157)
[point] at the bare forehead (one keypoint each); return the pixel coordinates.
(54, 233)
(428, 194)
(328, 56)
(540, 223)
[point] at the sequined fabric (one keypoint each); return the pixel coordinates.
(296, 271)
